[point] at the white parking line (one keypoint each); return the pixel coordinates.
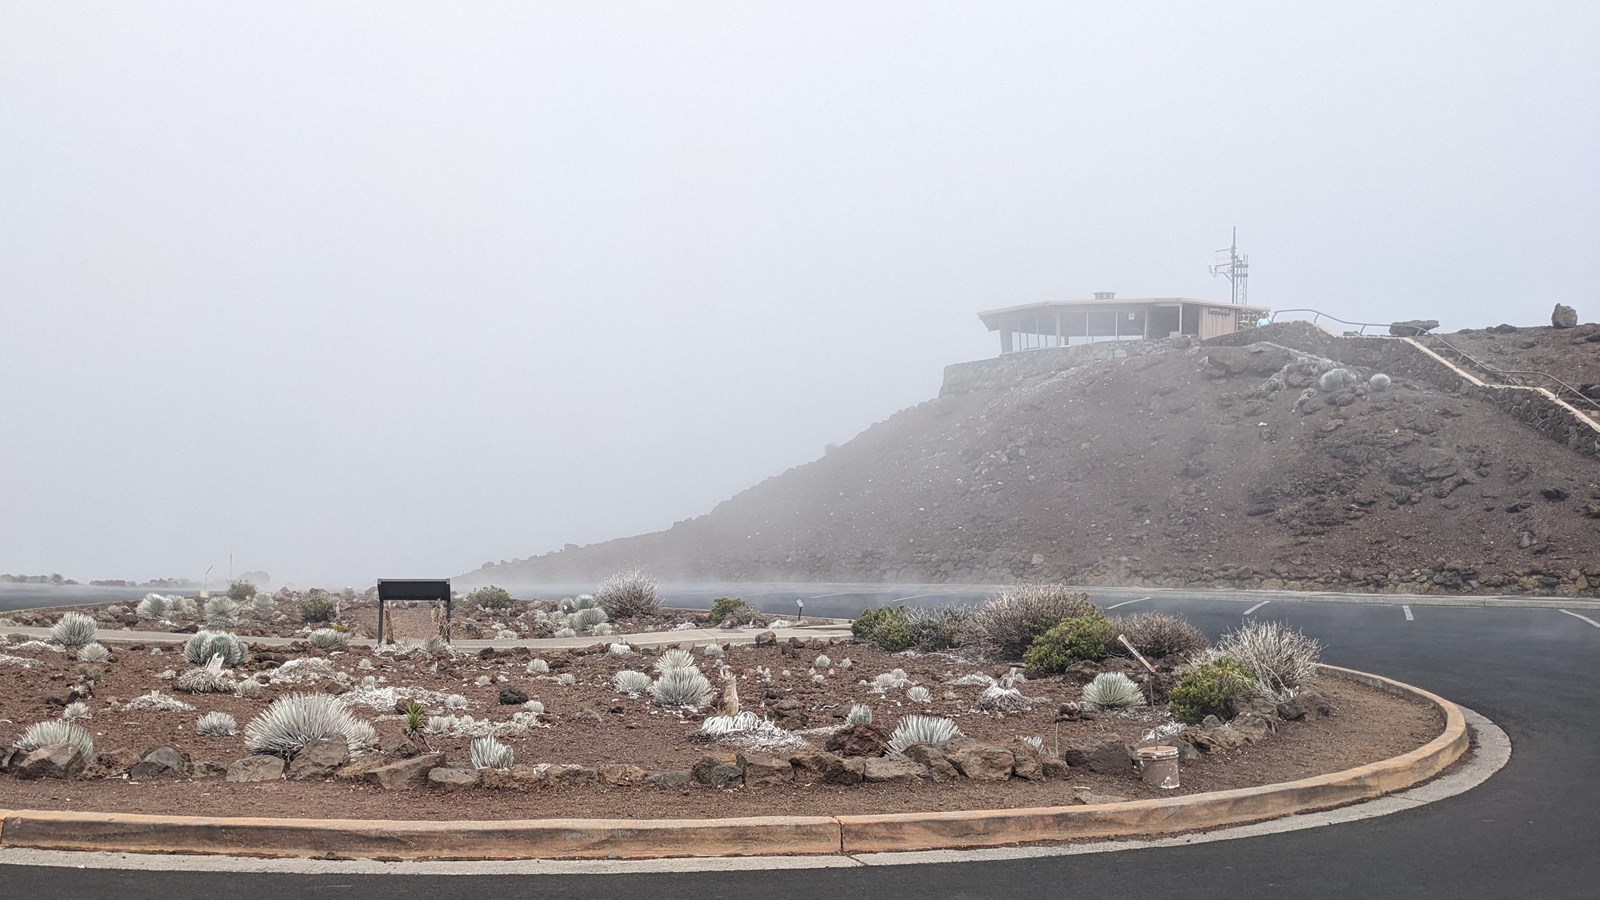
(1585, 618)
(1407, 610)
(915, 597)
(1126, 602)
(1256, 607)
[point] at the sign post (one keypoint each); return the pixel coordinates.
(411, 590)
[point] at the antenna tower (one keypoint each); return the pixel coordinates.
(1235, 267)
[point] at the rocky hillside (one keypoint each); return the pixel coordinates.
(1193, 465)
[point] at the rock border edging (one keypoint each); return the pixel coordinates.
(770, 835)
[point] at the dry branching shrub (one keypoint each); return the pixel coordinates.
(628, 593)
(1006, 625)
(1281, 657)
(1158, 635)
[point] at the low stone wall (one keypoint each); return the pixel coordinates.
(1399, 357)
(1006, 369)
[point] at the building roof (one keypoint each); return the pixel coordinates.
(993, 317)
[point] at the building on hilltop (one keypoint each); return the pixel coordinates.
(1062, 323)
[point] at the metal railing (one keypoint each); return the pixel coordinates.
(1318, 315)
(1514, 377)
(1488, 374)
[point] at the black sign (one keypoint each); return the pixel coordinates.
(435, 590)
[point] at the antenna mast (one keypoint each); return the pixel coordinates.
(1236, 268)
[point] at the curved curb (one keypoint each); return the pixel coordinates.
(989, 828)
(804, 835)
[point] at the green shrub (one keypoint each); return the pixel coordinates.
(241, 591)
(731, 611)
(490, 597)
(317, 607)
(886, 627)
(1086, 638)
(1209, 690)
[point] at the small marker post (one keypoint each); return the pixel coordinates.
(1126, 643)
(800, 606)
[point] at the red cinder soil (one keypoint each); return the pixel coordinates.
(590, 724)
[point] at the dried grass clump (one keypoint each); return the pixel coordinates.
(588, 619)
(222, 612)
(930, 730)
(94, 653)
(632, 683)
(681, 689)
(628, 593)
(1158, 635)
(329, 639)
(1282, 658)
(217, 724)
(1004, 626)
(155, 700)
(153, 607)
(891, 680)
(199, 649)
(294, 722)
(208, 679)
(56, 731)
(488, 753)
(998, 698)
(750, 731)
(1112, 690)
(74, 630)
(675, 659)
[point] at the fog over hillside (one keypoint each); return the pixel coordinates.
(367, 290)
(1168, 464)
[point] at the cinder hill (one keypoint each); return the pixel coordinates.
(1167, 464)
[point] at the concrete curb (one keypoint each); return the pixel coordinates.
(990, 828)
(377, 839)
(801, 835)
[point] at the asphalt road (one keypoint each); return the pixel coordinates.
(1533, 830)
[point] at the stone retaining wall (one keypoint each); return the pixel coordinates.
(1006, 369)
(1399, 357)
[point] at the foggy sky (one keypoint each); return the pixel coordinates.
(377, 289)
